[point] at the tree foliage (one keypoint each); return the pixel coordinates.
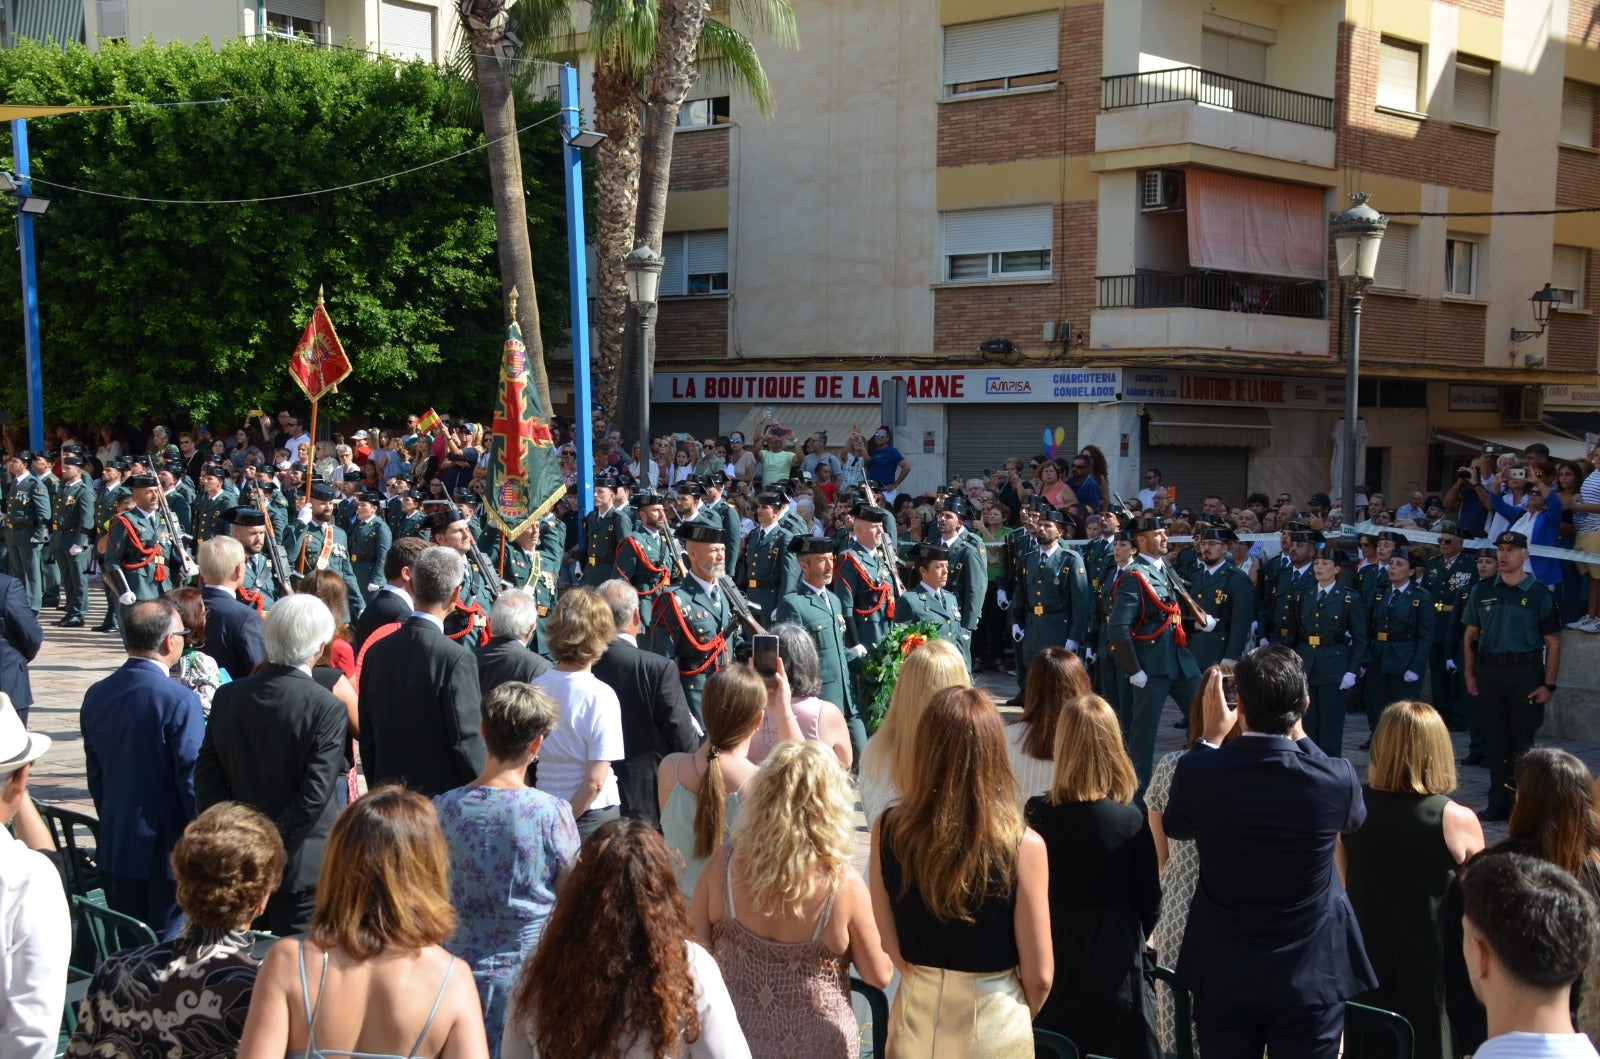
(166, 311)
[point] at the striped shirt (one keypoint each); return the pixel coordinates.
(1589, 493)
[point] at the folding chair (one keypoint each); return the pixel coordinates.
(1394, 1036)
(878, 1005)
(77, 839)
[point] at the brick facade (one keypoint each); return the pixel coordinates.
(693, 328)
(1407, 333)
(1574, 338)
(699, 159)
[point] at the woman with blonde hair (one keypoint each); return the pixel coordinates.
(1400, 862)
(784, 914)
(699, 793)
(575, 760)
(1105, 892)
(888, 762)
(360, 981)
(1055, 677)
(960, 891)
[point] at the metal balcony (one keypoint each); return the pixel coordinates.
(1223, 291)
(1191, 84)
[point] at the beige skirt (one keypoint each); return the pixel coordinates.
(941, 1014)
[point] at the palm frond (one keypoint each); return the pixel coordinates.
(623, 32)
(725, 52)
(771, 18)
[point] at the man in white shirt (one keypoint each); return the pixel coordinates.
(35, 930)
(1528, 933)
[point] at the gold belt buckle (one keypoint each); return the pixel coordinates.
(592, 560)
(1038, 609)
(544, 611)
(1314, 641)
(753, 582)
(1383, 637)
(1444, 607)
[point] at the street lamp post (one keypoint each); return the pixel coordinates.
(643, 268)
(1357, 234)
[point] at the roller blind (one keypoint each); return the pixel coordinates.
(1394, 258)
(708, 84)
(310, 10)
(407, 31)
(1474, 91)
(688, 254)
(1566, 274)
(1003, 47)
(112, 19)
(1577, 114)
(1222, 53)
(1399, 65)
(997, 230)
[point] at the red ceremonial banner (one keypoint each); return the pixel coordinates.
(319, 362)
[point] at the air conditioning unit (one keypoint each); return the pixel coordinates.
(1161, 190)
(1522, 404)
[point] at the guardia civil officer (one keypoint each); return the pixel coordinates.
(1052, 607)
(1512, 655)
(1223, 591)
(1402, 637)
(1329, 633)
(695, 614)
(814, 606)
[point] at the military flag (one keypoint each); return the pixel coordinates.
(524, 471)
(319, 362)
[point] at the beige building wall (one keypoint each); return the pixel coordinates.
(834, 222)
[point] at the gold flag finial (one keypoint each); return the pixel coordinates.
(319, 294)
(514, 304)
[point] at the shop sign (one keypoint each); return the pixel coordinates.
(1465, 397)
(1585, 398)
(993, 386)
(1213, 388)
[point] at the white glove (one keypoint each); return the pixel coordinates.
(1016, 633)
(1209, 624)
(1449, 665)
(1002, 599)
(1348, 682)
(304, 515)
(966, 635)
(1262, 642)
(1072, 645)
(1229, 663)
(857, 651)
(75, 551)
(1088, 654)
(127, 599)
(374, 586)
(1139, 679)
(1411, 677)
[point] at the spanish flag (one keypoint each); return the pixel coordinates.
(427, 421)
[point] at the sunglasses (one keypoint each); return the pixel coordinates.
(1080, 466)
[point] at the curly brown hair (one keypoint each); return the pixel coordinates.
(192, 608)
(615, 942)
(226, 863)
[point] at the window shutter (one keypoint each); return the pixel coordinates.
(1398, 68)
(407, 31)
(310, 10)
(705, 252)
(1566, 274)
(709, 84)
(674, 277)
(113, 19)
(1247, 60)
(996, 230)
(1394, 258)
(1474, 92)
(1004, 47)
(1213, 51)
(1577, 114)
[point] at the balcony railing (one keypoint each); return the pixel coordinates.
(1226, 291)
(1190, 84)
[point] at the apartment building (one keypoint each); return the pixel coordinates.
(1106, 223)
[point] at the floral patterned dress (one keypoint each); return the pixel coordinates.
(1178, 880)
(508, 846)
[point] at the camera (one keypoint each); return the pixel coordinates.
(1517, 474)
(1464, 473)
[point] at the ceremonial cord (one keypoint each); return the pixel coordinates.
(294, 194)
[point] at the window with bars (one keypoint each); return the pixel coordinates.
(694, 263)
(1001, 54)
(1567, 274)
(1577, 114)
(1460, 266)
(1394, 258)
(1004, 242)
(1399, 75)
(1474, 91)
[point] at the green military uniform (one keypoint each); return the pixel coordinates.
(1275, 612)
(181, 501)
(969, 579)
(602, 535)
(74, 529)
(1448, 581)
(1226, 594)
(1403, 622)
(261, 586)
(277, 510)
(767, 571)
(1113, 685)
(866, 592)
(205, 519)
(699, 625)
(1509, 664)
(51, 574)
(820, 612)
(142, 547)
(645, 561)
(1144, 636)
(412, 525)
(27, 529)
(728, 518)
(534, 572)
(1098, 561)
(369, 548)
(1330, 635)
(1054, 606)
(938, 608)
(324, 546)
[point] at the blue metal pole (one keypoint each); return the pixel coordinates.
(30, 289)
(578, 288)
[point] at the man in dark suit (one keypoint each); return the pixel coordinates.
(141, 736)
(1272, 950)
(233, 629)
(419, 690)
(275, 741)
(393, 603)
(20, 638)
(507, 656)
(655, 715)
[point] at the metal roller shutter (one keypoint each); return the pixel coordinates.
(1224, 470)
(407, 31)
(1002, 47)
(986, 435)
(310, 10)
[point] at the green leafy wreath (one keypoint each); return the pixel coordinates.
(880, 670)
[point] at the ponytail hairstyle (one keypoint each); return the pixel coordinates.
(733, 703)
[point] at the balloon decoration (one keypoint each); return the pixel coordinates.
(1053, 440)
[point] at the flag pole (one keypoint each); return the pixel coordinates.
(311, 464)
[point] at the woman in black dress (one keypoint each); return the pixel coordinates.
(1105, 889)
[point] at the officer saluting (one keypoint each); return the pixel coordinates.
(813, 606)
(695, 614)
(1512, 655)
(1402, 638)
(1329, 632)
(1225, 592)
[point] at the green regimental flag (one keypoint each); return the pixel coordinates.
(524, 471)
